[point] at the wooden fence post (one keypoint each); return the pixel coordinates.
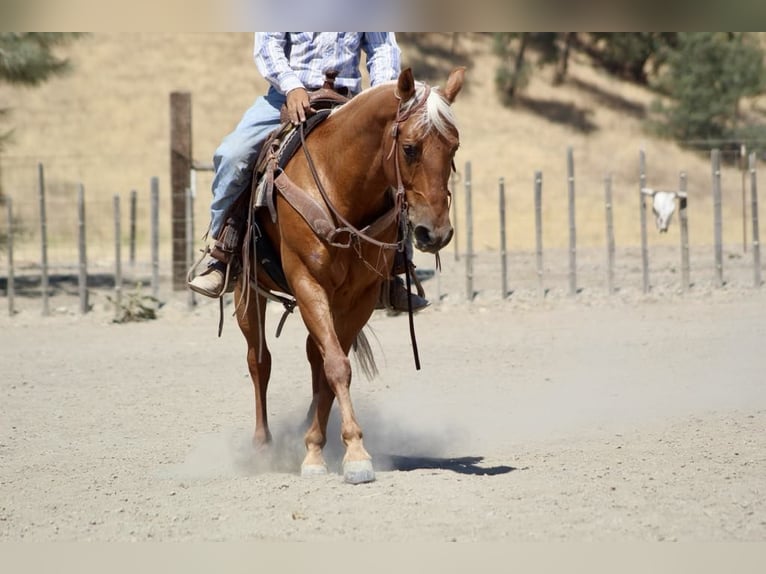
(11, 274)
(644, 243)
(503, 251)
(117, 256)
(155, 236)
(572, 224)
(715, 159)
(469, 234)
(609, 234)
(43, 240)
(82, 282)
(539, 231)
(180, 168)
(683, 218)
(754, 214)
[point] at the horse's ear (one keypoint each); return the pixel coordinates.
(454, 83)
(406, 85)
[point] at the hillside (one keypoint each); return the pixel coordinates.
(106, 125)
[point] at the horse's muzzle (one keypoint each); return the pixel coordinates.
(429, 241)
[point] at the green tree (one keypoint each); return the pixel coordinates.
(514, 71)
(706, 79)
(627, 54)
(29, 59)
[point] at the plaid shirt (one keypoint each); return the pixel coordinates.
(289, 60)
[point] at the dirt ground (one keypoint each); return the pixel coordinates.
(589, 418)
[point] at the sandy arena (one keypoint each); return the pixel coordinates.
(595, 418)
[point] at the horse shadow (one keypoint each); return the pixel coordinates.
(468, 465)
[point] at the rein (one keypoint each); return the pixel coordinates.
(401, 207)
(345, 225)
(400, 201)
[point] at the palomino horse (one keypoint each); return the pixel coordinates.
(391, 145)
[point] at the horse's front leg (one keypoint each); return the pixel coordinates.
(318, 415)
(318, 317)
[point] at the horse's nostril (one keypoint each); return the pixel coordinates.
(422, 235)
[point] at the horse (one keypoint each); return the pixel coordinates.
(392, 144)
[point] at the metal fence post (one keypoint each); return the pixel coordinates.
(155, 236)
(453, 183)
(539, 231)
(572, 224)
(642, 207)
(133, 205)
(503, 251)
(117, 256)
(609, 234)
(715, 159)
(469, 234)
(683, 218)
(43, 240)
(754, 214)
(82, 282)
(11, 272)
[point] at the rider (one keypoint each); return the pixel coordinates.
(293, 63)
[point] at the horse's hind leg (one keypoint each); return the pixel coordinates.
(318, 415)
(251, 323)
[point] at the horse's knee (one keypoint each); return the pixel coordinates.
(338, 370)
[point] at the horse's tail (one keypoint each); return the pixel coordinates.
(364, 355)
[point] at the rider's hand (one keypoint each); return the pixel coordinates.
(298, 106)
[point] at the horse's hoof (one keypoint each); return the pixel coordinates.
(358, 472)
(308, 470)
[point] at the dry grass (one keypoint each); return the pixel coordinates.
(106, 125)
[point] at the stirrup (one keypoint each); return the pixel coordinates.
(216, 270)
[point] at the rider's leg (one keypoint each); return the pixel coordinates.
(393, 291)
(233, 163)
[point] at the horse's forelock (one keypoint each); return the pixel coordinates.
(436, 114)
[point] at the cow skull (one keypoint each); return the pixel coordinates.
(663, 206)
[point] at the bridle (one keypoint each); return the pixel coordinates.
(401, 208)
(399, 213)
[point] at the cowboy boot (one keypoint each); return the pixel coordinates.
(394, 294)
(397, 295)
(219, 275)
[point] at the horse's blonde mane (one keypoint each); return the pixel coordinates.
(436, 114)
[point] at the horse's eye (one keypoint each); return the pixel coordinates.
(411, 152)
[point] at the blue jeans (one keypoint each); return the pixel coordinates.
(235, 157)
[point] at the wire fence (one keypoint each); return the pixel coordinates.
(86, 240)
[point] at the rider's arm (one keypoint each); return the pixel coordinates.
(271, 60)
(383, 56)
